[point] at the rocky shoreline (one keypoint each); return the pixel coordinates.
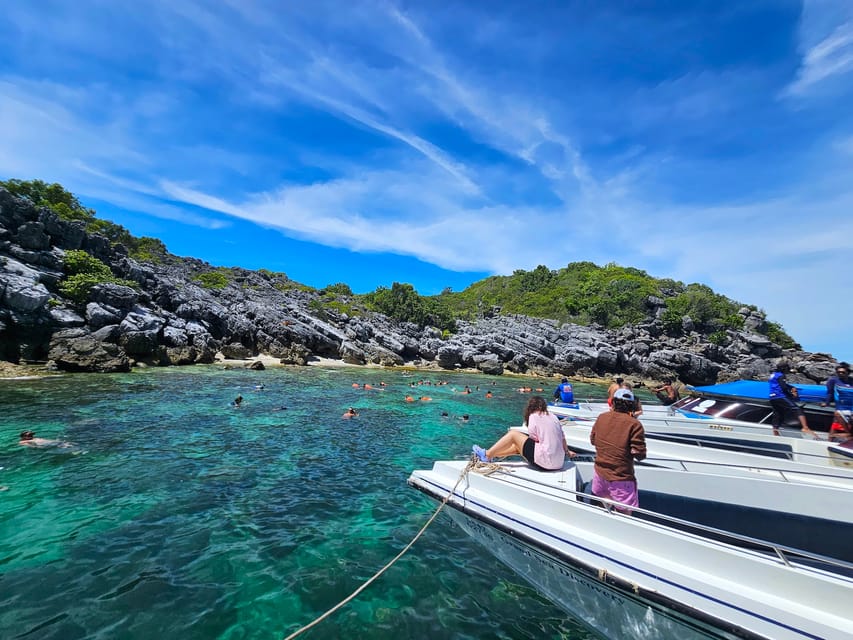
(173, 316)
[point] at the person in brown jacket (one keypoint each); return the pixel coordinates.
(619, 439)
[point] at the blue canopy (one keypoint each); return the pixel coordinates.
(758, 390)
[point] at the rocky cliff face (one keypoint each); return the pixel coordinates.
(169, 318)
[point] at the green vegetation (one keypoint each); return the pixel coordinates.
(84, 271)
(582, 292)
(338, 289)
(778, 335)
(53, 196)
(67, 207)
(147, 249)
(216, 279)
(403, 303)
(340, 298)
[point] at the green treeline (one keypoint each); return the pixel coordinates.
(611, 296)
(582, 292)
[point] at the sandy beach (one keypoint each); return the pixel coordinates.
(11, 371)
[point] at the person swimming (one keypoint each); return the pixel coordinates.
(28, 438)
(350, 413)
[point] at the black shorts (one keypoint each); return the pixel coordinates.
(782, 408)
(527, 452)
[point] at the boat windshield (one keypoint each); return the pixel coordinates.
(715, 408)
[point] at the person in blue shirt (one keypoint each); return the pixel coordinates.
(841, 377)
(564, 392)
(782, 399)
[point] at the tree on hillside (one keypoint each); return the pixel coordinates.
(53, 196)
(67, 207)
(403, 303)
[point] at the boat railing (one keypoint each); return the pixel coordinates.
(743, 447)
(790, 556)
(796, 474)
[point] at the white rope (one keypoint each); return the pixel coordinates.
(472, 464)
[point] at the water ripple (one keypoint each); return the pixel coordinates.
(177, 516)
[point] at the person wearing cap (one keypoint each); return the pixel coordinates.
(564, 392)
(619, 439)
(637, 411)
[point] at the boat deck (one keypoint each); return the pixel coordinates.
(760, 589)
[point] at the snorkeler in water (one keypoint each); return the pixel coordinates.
(28, 439)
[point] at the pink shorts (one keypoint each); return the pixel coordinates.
(624, 491)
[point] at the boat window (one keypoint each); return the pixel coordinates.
(749, 412)
(706, 406)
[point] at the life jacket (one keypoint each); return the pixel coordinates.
(566, 393)
(843, 396)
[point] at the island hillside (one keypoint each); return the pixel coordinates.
(79, 293)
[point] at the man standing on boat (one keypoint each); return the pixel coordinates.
(619, 439)
(782, 399)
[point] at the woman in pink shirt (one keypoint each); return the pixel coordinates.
(543, 446)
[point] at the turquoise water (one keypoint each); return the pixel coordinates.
(175, 515)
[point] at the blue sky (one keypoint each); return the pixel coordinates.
(374, 142)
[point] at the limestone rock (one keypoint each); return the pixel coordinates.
(83, 353)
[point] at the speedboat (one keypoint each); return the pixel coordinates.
(645, 575)
(742, 404)
(750, 400)
(807, 462)
(695, 421)
(790, 513)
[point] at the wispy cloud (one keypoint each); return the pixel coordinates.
(826, 44)
(489, 142)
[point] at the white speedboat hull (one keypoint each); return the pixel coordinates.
(628, 578)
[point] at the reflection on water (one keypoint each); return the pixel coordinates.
(177, 515)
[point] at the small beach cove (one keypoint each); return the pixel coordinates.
(174, 514)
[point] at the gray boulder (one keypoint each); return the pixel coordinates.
(83, 353)
(489, 364)
(114, 295)
(31, 236)
(236, 351)
(99, 315)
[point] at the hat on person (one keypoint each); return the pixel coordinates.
(623, 394)
(564, 380)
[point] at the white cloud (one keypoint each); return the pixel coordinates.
(529, 193)
(826, 43)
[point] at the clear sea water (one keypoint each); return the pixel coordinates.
(175, 515)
